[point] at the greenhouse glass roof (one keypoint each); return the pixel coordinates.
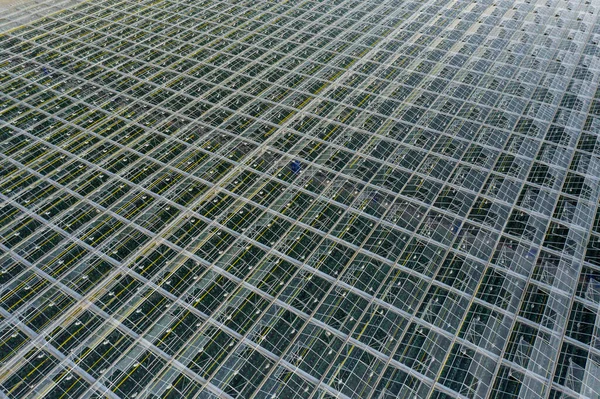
(301, 199)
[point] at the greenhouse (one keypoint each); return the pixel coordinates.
(313, 199)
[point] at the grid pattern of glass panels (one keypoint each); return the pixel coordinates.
(301, 199)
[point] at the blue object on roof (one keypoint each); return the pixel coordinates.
(296, 167)
(455, 228)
